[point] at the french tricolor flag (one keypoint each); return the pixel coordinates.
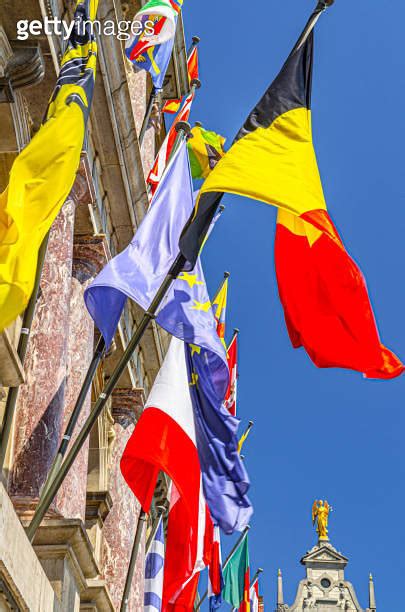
(165, 439)
(215, 578)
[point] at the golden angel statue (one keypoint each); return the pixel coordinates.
(320, 515)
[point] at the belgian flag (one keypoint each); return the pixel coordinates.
(272, 159)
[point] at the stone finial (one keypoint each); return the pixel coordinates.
(371, 594)
(280, 595)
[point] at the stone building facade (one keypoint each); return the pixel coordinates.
(324, 588)
(80, 554)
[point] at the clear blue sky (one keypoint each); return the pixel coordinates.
(318, 433)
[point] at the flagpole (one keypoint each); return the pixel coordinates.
(256, 576)
(236, 332)
(222, 285)
(160, 512)
(154, 94)
(21, 352)
(183, 128)
(195, 41)
(135, 550)
(154, 97)
(91, 372)
(99, 405)
(319, 9)
(229, 557)
(134, 555)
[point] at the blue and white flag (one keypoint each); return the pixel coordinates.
(154, 571)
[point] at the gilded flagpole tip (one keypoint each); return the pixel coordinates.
(197, 39)
(227, 274)
(196, 83)
(198, 124)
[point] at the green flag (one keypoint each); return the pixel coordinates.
(205, 150)
(237, 577)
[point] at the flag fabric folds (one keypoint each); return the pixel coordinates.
(160, 163)
(44, 172)
(237, 578)
(231, 392)
(187, 554)
(323, 293)
(205, 150)
(215, 577)
(173, 106)
(140, 269)
(219, 304)
(187, 313)
(154, 568)
(152, 52)
(152, 47)
(325, 299)
(254, 596)
(165, 439)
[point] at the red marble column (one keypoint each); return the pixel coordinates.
(120, 525)
(41, 399)
(89, 256)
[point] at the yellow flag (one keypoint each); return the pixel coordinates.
(44, 172)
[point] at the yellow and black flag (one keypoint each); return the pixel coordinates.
(272, 159)
(44, 172)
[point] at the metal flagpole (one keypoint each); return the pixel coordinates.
(226, 276)
(127, 590)
(135, 550)
(319, 9)
(21, 351)
(160, 512)
(154, 95)
(98, 407)
(229, 557)
(195, 41)
(182, 128)
(54, 486)
(256, 576)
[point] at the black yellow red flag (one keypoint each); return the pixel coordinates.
(323, 292)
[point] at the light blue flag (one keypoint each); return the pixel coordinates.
(154, 571)
(140, 269)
